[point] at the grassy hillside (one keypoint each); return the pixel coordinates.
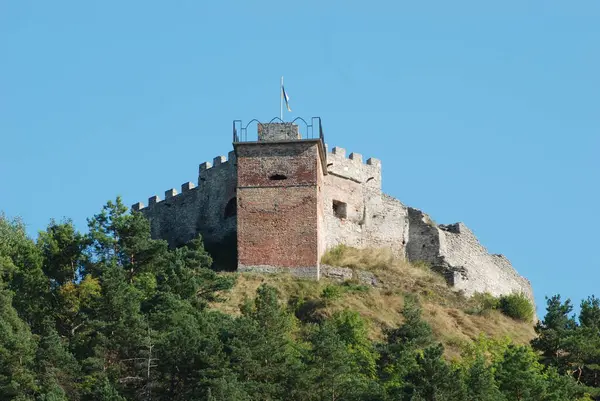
(454, 318)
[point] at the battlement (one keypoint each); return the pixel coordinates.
(169, 193)
(281, 198)
(208, 174)
(218, 161)
(353, 167)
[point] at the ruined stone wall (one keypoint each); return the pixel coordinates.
(370, 218)
(454, 251)
(282, 202)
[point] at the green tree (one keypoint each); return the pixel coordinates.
(433, 379)
(21, 268)
(403, 346)
(61, 247)
(186, 357)
(341, 361)
(17, 353)
(121, 239)
(262, 349)
(553, 333)
(480, 382)
(584, 344)
(57, 369)
(187, 273)
(519, 375)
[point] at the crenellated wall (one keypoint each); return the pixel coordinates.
(208, 209)
(297, 199)
(372, 219)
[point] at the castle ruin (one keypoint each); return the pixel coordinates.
(280, 201)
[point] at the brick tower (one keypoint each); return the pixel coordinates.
(279, 209)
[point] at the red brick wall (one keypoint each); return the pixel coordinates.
(277, 219)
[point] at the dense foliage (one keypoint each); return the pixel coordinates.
(114, 315)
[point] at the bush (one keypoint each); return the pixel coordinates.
(332, 292)
(483, 302)
(355, 286)
(517, 306)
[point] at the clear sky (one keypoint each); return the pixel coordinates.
(486, 114)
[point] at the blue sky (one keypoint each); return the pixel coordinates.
(486, 114)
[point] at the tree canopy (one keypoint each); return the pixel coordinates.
(112, 314)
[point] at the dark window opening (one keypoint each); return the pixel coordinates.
(340, 209)
(277, 177)
(230, 208)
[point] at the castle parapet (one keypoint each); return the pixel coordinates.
(353, 167)
(188, 186)
(219, 164)
(278, 132)
(169, 193)
(356, 157)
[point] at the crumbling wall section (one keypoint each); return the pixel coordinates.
(454, 251)
(293, 208)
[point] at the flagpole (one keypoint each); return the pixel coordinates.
(281, 99)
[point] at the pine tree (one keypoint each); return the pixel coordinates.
(341, 361)
(434, 379)
(262, 350)
(554, 332)
(519, 375)
(17, 353)
(480, 382)
(399, 353)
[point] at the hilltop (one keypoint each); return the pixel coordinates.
(456, 319)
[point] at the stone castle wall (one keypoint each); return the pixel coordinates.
(271, 201)
(373, 219)
(208, 209)
(455, 252)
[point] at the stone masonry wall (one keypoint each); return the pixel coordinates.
(372, 218)
(282, 202)
(277, 132)
(454, 251)
(180, 217)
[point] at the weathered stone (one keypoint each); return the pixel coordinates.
(280, 202)
(278, 132)
(454, 251)
(337, 273)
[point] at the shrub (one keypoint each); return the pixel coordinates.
(517, 306)
(483, 302)
(355, 286)
(332, 292)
